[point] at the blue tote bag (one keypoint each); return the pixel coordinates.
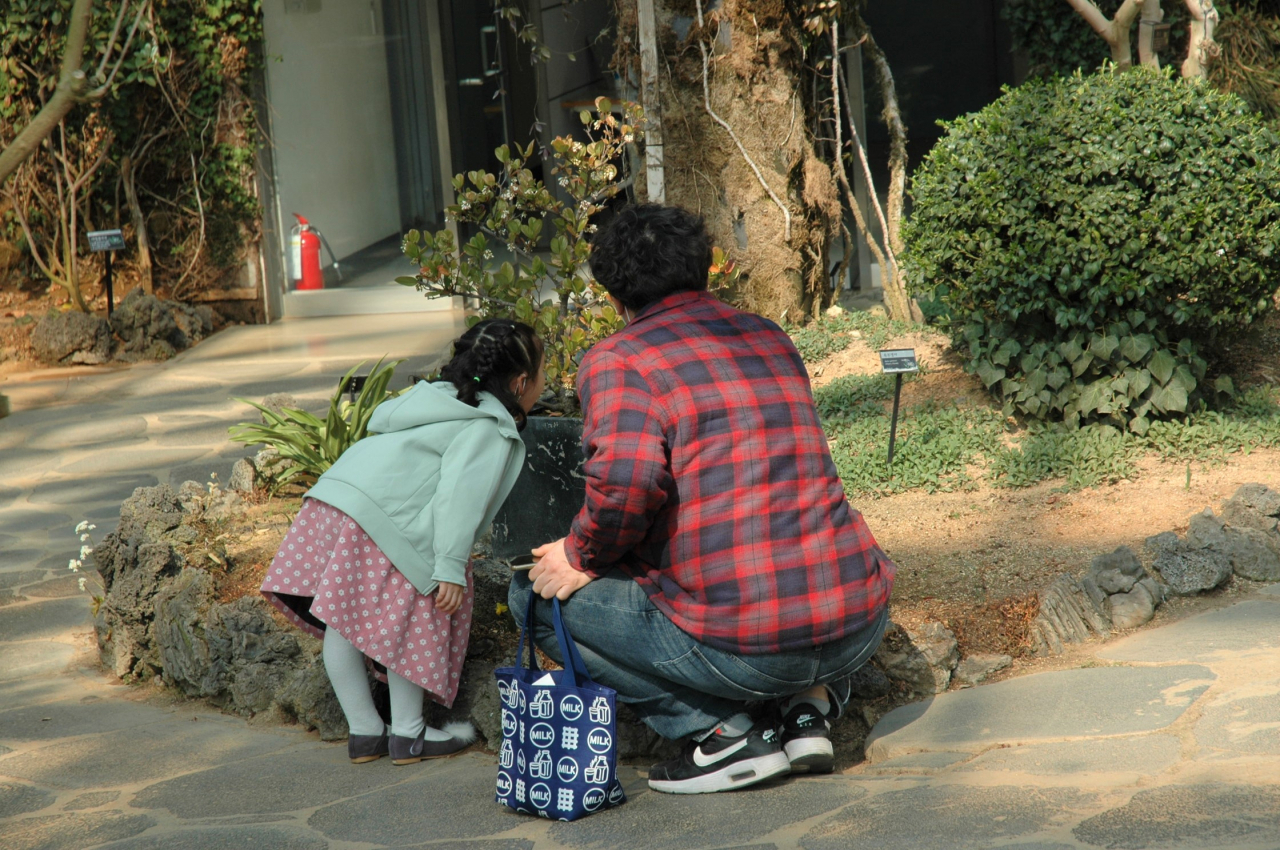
(559, 753)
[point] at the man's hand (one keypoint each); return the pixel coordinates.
(449, 597)
(553, 575)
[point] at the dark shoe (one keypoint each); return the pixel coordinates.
(414, 750)
(722, 763)
(365, 748)
(806, 739)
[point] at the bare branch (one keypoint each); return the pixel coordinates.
(124, 51)
(1093, 15)
(32, 245)
(111, 42)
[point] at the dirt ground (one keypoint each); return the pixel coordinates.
(975, 560)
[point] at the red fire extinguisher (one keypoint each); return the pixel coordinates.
(304, 256)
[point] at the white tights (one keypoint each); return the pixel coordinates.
(345, 666)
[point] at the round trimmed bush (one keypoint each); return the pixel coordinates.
(1092, 238)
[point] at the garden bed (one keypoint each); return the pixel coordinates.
(974, 553)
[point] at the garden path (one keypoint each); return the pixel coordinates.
(1167, 738)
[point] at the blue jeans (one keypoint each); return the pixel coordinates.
(678, 686)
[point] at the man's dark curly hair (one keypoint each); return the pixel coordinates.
(648, 252)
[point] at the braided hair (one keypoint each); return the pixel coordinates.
(488, 356)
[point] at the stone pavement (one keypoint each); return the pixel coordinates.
(1168, 738)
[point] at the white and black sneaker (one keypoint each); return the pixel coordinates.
(722, 763)
(806, 739)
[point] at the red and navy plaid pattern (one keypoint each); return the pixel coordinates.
(710, 483)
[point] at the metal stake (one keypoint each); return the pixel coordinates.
(110, 254)
(893, 423)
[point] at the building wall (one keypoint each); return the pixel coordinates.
(330, 119)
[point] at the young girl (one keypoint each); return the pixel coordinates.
(376, 563)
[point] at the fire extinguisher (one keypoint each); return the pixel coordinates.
(304, 256)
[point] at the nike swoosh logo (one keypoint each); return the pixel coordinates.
(705, 761)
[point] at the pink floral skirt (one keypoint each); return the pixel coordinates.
(329, 574)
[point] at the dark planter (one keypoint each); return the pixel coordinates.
(549, 492)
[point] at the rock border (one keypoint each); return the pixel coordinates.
(1117, 593)
(159, 619)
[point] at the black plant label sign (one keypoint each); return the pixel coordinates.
(897, 360)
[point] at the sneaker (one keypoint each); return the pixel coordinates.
(806, 739)
(413, 750)
(366, 748)
(722, 763)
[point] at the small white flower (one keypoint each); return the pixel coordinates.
(564, 181)
(82, 527)
(1221, 252)
(488, 255)
(85, 551)
(74, 565)
(81, 583)
(464, 205)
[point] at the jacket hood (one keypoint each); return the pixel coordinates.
(427, 403)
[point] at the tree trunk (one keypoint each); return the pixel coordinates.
(895, 284)
(739, 153)
(127, 178)
(655, 171)
(1201, 49)
(1152, 15)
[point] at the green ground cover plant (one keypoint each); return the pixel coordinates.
(1094, 240)
(955, 447)
(825, 336)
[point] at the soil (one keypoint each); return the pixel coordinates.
(975, 560)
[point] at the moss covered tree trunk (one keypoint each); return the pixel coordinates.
(739, 148)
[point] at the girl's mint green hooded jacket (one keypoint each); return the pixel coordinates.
(432, 476)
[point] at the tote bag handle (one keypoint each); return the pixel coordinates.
(568, 649)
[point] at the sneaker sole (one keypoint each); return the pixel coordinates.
(814, 754)
(737, 775)
(365, 759)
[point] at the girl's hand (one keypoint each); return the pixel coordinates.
(449, 597)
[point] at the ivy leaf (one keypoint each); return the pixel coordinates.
(1134, 348)
(1102, 346)
(1171, 398)
(1161, 366)
(989, 373)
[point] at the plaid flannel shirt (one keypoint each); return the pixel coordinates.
(710, 483)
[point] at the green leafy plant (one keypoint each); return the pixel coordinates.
(308, 444)
(1093, 238)
(515, 207)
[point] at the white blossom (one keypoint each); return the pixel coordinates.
(85, 551)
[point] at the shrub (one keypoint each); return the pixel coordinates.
(308, 444)
(1092, 238)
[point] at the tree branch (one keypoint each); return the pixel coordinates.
(71, 87)
(101, 90)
